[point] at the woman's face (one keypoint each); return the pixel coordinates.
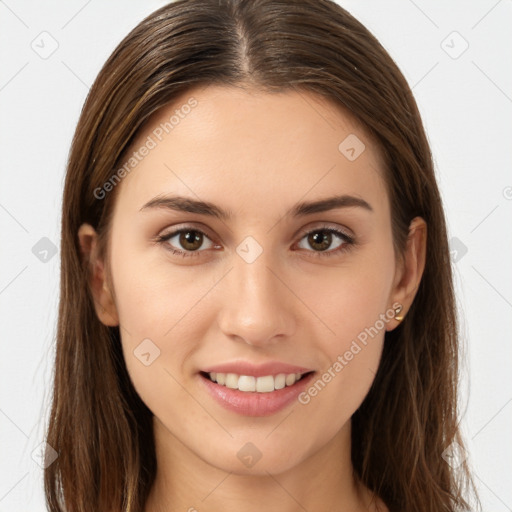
(285, 265)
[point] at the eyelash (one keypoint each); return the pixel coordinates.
(348, 241)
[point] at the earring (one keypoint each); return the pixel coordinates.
(397, 312)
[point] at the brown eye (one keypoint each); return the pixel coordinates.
(191, 240)
(321, 242)
(186, 242)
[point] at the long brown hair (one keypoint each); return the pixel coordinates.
(98, 424)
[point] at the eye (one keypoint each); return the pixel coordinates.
(322, 239)
(186, 242)
(189, 241)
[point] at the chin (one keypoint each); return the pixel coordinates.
(258, 457)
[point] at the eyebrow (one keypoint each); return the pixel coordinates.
(186, 204)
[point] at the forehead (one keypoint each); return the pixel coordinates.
(226, 143)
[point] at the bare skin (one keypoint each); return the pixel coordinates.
(256, 155)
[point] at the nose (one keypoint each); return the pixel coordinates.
(257, 305)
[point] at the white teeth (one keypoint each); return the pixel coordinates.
(280, 381)
(248, 383)
(290, 379)
(265, 384)
(232, 381)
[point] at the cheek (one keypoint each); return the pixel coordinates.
(354, 308)
(352, 299)
(154, 297)
(160, 311)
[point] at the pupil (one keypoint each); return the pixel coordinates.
(321, 239)
(188, 238)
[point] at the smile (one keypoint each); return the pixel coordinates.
(249, 395)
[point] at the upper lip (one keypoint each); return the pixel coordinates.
(256, 370)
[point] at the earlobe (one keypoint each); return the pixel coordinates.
(103, 301)
(410, 272)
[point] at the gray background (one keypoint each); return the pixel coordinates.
(50, 54)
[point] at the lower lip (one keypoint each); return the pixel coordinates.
(249, 403)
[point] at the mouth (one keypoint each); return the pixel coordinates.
(251, 395)
(253, 384)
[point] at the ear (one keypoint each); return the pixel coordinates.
(410, 270)
(103, 301)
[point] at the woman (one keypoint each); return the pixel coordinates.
(256, 302)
